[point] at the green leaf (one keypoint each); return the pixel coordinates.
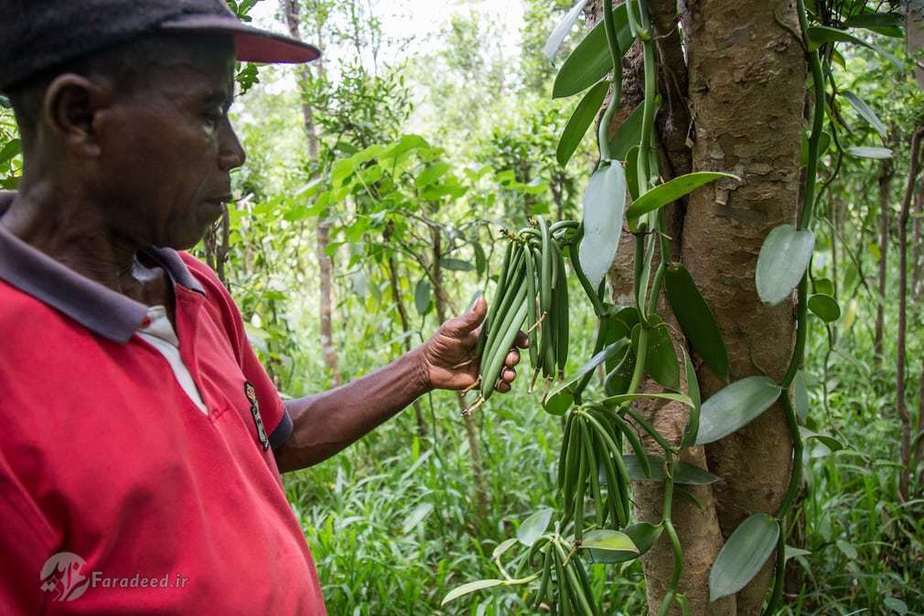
(628, 135)
(10, 150)
(896, 605)
(609, 540)
(819, 35)
(823, 285)
(604, 206)
(417, 515)
(793, 552)
(661, 362)
(422, 296)
(534, 526)
(553, 43)
(695, 318)
(825, 439)
(684, 474)
(632, 173)
(743, 555)
(875, 153)
(502, 548)
(481, 260)
(559, 399)
(782, 262)
(620, 399)
(887, 24)
(591, 61)
(668, 192)
(580, 120)
(825, 307)
(456, 265)
(735, 406)
(431, 174)
(847, 549)
(643, 535)
(866, 113)
(692, 427)
(471, 587)
(341, 170)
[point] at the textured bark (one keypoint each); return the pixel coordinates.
(698, 529)
(325, 264)
(747, 81)
(886, 173)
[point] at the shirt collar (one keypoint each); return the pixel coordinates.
(96, 307)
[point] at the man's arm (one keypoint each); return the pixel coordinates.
(326, 423)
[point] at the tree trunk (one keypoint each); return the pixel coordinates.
(884, 181)
(325, 264)
(471, 428)
(907, 470)
(916, 264)
(747, 81)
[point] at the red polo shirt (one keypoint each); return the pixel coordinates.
(117, 494)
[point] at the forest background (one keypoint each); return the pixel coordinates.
(335, 279)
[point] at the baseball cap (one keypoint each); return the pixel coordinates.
(39, 35)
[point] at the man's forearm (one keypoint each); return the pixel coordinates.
(330, 421)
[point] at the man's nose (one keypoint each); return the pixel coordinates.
(231, 155)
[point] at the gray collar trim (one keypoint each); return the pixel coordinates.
(96, 307)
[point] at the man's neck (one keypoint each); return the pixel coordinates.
(70, 229)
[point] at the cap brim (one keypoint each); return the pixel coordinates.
(252, 44)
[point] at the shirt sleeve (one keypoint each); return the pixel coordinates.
(272, 410)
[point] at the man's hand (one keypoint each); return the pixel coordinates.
(449, 356)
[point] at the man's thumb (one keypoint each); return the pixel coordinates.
(473, 318)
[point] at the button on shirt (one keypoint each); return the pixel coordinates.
(136, 461)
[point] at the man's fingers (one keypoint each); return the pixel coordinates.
(469, 321)
(512, 359)
(502, 386)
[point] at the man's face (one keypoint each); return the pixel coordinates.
(167, 148)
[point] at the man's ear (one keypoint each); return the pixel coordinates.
(69, 107)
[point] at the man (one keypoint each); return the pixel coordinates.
(141, 440)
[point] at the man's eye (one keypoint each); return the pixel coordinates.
(214, 116)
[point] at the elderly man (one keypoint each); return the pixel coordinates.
(142, 441)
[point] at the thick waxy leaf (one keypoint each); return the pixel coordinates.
(609, 540)
(668, 192)
(692, 429)
(825, 307)
(628, 135)
(887, 24)
(469, 588)
(632, 173)
(604, 207)
(591, 61)
(870, 152)
(422, 296)
(827, 440)
(743, 555)
(533, 527)
(661, 362)
(823, 285)
(696, 319)
(819, 35)
(782, 262)
(553, 43)
(684, 474)
(580, 120)
(735, 406)
(559, 399)
(620, 399)
(643, 536)
(866, 112)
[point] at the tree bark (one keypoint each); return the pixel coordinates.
(886, 173)
(916, 264)
(747, 80)
(904, 415)
(325, 264)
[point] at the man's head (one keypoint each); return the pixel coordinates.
(139, 127)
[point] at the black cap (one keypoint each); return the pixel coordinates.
(39, 35)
